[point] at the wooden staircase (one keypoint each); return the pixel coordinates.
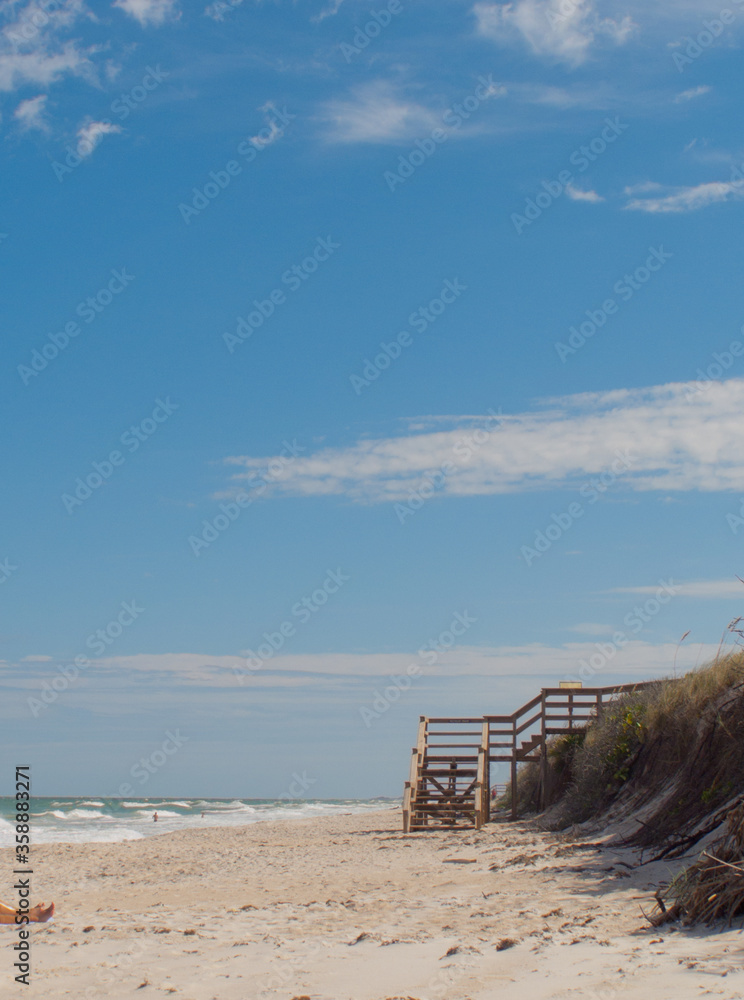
(448, 783)
(449, 780)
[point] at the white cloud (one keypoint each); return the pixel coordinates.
(564, 30)
(578, 194)
(42, 67)
(157, 671)
(31, 50)
(218, 9)
(578, 95)
(688, 95)
(155, 12)
(676, 440)
(700, 589)
(376, 113)
(330, 10)
(90, 134)
(271, 133)
(30, 113)
(686, 199)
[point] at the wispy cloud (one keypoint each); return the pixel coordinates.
(376, 113)
(90, 134)
(684, 199)
(33, 49)
(164, 672)
(579, 194)
(700, 589)
(676, 442)
(30, 114)
(150, 12)
(692, 93)
(330, 10)
(218, 9)
(562, 31)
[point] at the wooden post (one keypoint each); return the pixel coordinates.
(543, 753)
(486, 747)
(409, 793)
(421, 760)
(514, 770)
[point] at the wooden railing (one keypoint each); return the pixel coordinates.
(450, 780)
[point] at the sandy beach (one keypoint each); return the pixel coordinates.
(348, 907)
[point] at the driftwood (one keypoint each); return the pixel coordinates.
(711, 889)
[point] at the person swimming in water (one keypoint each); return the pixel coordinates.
(38, 914)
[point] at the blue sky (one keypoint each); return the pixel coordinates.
(329, 327)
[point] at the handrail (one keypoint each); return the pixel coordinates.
(572, 706)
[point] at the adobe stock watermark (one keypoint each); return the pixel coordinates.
(126, 103)
(363, 35)
(248, 149)
(712, 29)
(420, 319)
(462, 450)
(231, 511)
(625, 288)
(88, 310)
(736, 521)
(297, 787)
(293, 278)
(303, 610)
(7, 569)
(721, 363)
(581, 158)
(429, 653)
(147, 766)
(131, 439)
(90, 133)
(634, 621)
(591, 491)
(34, 18)
(452, 119)
(97, 642)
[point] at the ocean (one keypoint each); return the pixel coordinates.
(94, 820)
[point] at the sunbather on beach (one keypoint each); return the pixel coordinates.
(38, 914)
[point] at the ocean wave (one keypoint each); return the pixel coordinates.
(161, 813)
(72, 814)
(67, 821)
(7, 833)
(92, 803)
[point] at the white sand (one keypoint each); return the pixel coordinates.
(276, 909)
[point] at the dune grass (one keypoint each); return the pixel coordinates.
(684, 734)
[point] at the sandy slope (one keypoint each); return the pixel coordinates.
(348, 907)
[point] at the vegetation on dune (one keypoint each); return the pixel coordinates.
(686, 734)
(671, 756)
